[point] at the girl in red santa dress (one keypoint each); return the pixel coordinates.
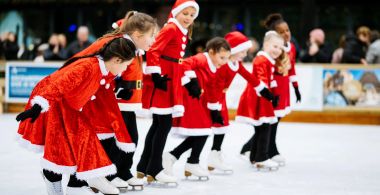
(284, 74)
(196, 123)
(257, 111)
(138, 28)
(54, 123)
(162, 91)
(217, 103)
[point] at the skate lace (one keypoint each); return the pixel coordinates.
(57, 186)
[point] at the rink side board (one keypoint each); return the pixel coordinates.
(22, 77)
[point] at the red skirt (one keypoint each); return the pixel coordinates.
(196, 120)
(282, 90)
(254, 110)
(162, 102)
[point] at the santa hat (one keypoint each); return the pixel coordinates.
(183, 4)
(238, 42)
(117, 24)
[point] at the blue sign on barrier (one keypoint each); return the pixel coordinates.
(21, 77)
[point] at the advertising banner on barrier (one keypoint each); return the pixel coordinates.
(351, 87)
(21, 77)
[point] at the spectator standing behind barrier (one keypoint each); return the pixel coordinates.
(373, 53)
(318, 49)
(79, 44)
(356, 46)
(9, 45)
(338, 53)
(54, 51)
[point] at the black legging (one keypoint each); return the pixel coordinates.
(151, 158)
(247, 146)
(195, 143)
(54, 177)
(260, 143)
(272, 141)
(217, 142)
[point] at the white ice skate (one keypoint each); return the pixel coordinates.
(268, 165)
(53, 188)
(162, 180)
(215, 161)
(136, 184)
(279, 159)
(168, 161)
(121, 184)
(245, 155)
(79, 191)
(101, 184)
(197, 171)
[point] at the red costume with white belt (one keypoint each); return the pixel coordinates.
(282, 90)
(63, 131)
(253, 109)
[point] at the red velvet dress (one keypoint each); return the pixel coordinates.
(63, 130)
(196, 120)
(253, 109)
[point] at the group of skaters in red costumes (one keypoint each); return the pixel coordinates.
(83, 116)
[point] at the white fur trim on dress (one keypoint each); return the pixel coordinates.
(190, 74)
(234, 66)
(126, 147)
(99, 172)
(282, 113)
(181, 28)
(185, 80)
(214, 106)
(28, 145)
(170, 110)
(259, 88)
(102, 65)
(143, 113)
(103, 136)
(273, 84)
(130, 106)
(287, 47)
(260, 121)
(44, 103)
(211, 66)
(152, 69)
(293, 78)
(184, 5)
(60, 169)
(220, 130)
(266, 55)
(241, 47)
(181, 131)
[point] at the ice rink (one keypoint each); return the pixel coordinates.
(321, 159)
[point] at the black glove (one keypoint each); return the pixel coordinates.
(121, 90)
(124, 94)
(32, 113)
(216, 117)
(193, 88)
(160, 82)
(266, 94)
(298, 94)
(275, 101)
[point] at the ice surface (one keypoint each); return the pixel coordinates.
(321, 159)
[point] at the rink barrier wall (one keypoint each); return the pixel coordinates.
(311, 109)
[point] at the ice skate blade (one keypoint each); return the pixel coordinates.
(215, 171)
(96, 191)
(190, 177)
(151, 181)
(266, 169)
(136, 188)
